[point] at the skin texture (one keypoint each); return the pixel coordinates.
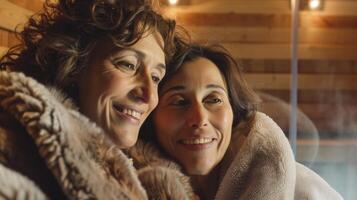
(194, 108)
(118, 88)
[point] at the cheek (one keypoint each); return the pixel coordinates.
(223, 122)
(111, 83)
(167, 125)
(155, 100)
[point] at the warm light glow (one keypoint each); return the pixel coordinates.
(173, 2)
(314, 4)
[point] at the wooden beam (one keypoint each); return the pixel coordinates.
(33, 5)
(4, 37)
(305, 66)
(330, 7)
(282, 51)
(211, 34)
(336, 127)
(335, 151)
(316, 96)
(12, 16)
(306, 81)
(227, 6)
(317, 111)
(3, 50)
(264, 20)
(322, 110)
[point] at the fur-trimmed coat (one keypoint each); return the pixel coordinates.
(48, 150)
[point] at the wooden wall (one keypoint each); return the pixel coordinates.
(257, 33)
(13, 15)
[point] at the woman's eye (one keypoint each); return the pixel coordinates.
(156, 79)
(214, 100)
(126, 65)
(179, 102)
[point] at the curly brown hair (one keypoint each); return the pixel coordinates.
(55, 43)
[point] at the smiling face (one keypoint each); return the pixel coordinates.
(193, 121)
(118, 88)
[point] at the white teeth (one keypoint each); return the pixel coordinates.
(132, 113)
(198, 141)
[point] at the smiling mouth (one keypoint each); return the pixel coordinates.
(197, 141)
(128, 112)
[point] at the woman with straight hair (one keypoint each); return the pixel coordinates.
(207, 121)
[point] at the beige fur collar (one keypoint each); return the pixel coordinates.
(259, 165)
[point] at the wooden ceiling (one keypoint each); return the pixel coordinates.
(257, 33)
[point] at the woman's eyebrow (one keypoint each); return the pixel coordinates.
(215, 86)
(173, 89)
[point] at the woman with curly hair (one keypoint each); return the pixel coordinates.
(75, 92)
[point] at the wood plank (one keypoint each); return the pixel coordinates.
(332, 128)
(204, 34)
(232, 19)
(317, 111)
(324, 110)
(304, 66)
(12, 16)
(306, 81)
(330, 150)
(282, 51)
(4, 37)
(12, 39)
(227, 6)
(316, 96)
(3, 50)
(262, 6)
(328, 128)
(33, 5)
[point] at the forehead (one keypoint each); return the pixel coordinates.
(152, 41)
(150, 47)
(199, 72)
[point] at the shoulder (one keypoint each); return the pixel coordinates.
(264, 136)
(310, 185)
(262, 154)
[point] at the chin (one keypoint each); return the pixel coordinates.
(124, 141)
(198, 171)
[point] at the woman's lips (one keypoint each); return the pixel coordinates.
(195, 144)
(129, 114)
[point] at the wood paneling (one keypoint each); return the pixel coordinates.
(3, 50)
(273, 81)
(12, 16)
(317, 96)
(265, 20)
(269, 35)
(304, 66)
(33, 5)
(330, 7)
(329, 150)
(282, 51)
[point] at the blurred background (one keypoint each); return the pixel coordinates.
(259, 33)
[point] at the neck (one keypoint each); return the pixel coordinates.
(206, 186)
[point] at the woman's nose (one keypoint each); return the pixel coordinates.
(197, 116)
(145, 90)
